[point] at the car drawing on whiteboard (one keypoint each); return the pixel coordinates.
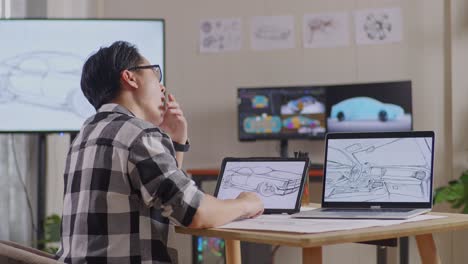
(263, 180)
(365, 108)
(44, 78)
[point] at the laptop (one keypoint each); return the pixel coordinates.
(384, 175)
(279, 182)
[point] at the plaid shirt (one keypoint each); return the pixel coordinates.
(122, 189)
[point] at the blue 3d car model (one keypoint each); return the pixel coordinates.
(365, 108)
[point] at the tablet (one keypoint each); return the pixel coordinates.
(278, 181)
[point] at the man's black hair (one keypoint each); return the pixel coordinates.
(100, 79)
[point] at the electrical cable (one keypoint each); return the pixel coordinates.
(273, 252)
(25, 189)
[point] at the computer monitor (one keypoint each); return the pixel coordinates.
(41, 62)
(296, 112)
(369, 107)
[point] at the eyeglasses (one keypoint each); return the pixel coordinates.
(154, 67)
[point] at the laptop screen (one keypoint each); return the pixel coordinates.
(277, 182)
(379, 169)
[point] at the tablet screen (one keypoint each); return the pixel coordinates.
(277, 182)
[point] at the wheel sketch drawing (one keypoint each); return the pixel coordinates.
(363, 172)
(263, 180)
(47, 79)
(377, 27)
(266, 189)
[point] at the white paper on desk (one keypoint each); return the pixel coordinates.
(307, 208)
(284, 223)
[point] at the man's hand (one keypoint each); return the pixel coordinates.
(213, 212)
(174, 122)
(252, 203)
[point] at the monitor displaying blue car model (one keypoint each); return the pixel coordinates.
(296, 112)
(369, 107)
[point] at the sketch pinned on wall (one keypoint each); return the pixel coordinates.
(272, 32)
(219, 35)
(326, 30)
(378, 26)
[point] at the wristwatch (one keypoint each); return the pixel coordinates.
(181, 148)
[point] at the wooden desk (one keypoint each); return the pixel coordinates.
(201, 175)
(311, 244)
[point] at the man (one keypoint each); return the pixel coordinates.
(123, 183)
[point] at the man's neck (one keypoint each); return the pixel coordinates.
(133, 108)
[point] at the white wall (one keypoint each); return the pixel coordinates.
(205, 84)
(459, 105)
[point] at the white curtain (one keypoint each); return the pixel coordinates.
(19, 157)
(18, 187)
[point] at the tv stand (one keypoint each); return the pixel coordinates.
(284, 148)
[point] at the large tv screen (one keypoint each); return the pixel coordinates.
(41, 62)
(369, 107)
(281, 113)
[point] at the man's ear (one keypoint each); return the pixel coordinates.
(128, 78)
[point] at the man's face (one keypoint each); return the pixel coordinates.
(150, 93)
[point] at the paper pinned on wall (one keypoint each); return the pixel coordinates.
(272, 32)
(378, 26)
(220, 35)
(326, 30)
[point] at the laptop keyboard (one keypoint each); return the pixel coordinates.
(367, 211)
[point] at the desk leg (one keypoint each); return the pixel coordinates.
(233, 252)
(427, 249)
(312, 255)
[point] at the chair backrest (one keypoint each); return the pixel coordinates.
(14, 253)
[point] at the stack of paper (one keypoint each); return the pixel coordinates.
(284, 223)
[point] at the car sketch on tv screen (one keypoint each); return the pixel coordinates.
(41, 62)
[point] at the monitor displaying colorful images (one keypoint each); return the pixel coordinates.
(369, 107)
(281, 113)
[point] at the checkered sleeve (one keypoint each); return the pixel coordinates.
(153, 172)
